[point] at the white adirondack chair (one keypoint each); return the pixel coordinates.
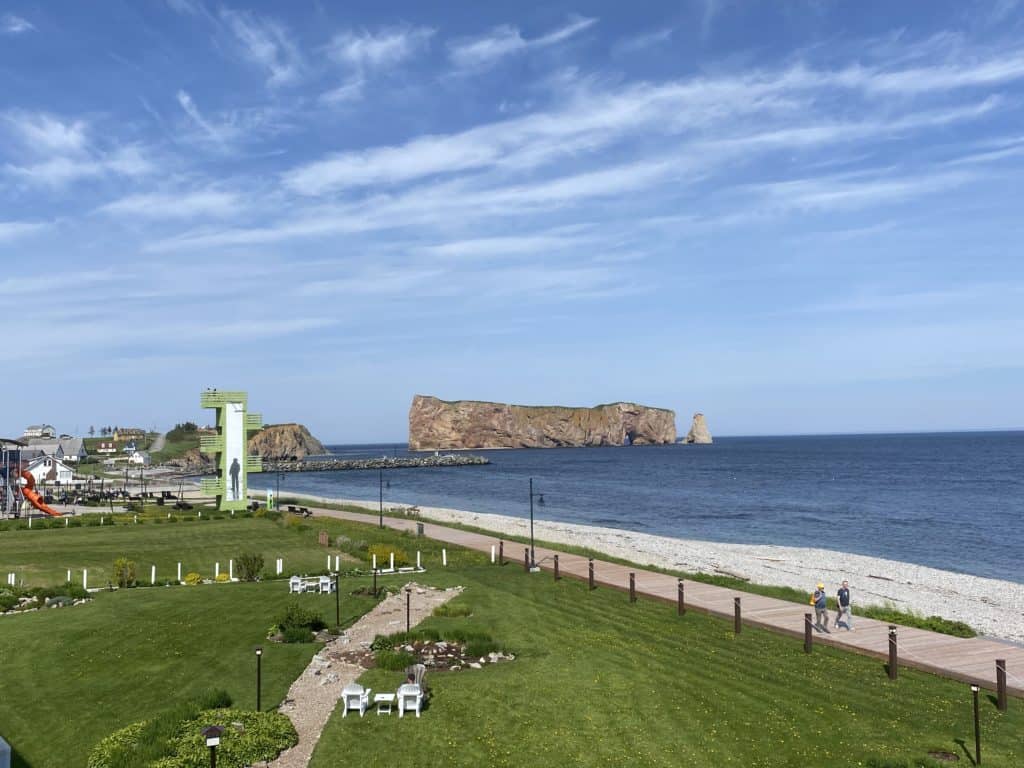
(355, 697)
(410, 697)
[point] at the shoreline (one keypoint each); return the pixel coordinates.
(993, 607)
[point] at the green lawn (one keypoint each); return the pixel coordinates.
(596, 682)
(600, 682)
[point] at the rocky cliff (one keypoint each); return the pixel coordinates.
(441, 425)
(698, 433)
(285, 441)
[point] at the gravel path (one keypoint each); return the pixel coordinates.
(314, 695)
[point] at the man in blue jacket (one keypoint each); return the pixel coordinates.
(843, 606)
(821, 609)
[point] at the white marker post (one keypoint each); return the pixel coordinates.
(374, 565)
(69, 576)
(231, 570)
(85, 578)
(67, 521)
(179, 571)
(216, 570)
(328, 562)
(444, 557)
(337, 563)
(280, 566)
(418, 566)
(392, 561)
(492, 554)
(152, 575)
(200, 514)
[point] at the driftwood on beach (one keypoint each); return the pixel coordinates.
(384, 462)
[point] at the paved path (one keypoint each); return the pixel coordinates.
(315, 693)
(969, 660)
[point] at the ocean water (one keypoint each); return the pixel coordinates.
(951, 501)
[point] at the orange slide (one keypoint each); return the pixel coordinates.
(29, 492)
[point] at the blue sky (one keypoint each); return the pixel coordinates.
(800, 216)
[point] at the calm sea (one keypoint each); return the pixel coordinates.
(951, 501)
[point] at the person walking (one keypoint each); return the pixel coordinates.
(820, 599)
(843, 606)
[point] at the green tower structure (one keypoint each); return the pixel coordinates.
(229, 448)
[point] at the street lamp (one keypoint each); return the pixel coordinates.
(259, 657)
(337, 600)
(977, 727)
(533, 553)
(212, 735)
(380, 482)
(408, 598)
(277, 496)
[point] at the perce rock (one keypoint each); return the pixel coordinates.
(463, 424)
(698, 431)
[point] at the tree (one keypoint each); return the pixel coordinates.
(92, 431)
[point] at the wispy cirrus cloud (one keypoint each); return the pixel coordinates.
(11, 230)
(378, 50)
(187, 205)
(15, 25)
(481, 52)
(267, 44)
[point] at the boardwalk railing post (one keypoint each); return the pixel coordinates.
(557, 576)
(737, 623)
(681, 600)
(526, 559)
(501, 553)
(590, 574)
(1001, 684)
(632, 587)
(808, 634)
(893, 654)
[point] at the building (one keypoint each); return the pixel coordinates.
(64, 448)
(130, 447)
(106, 447)
(47, 469)
(140, 459)
(45, 431)
(128, 433)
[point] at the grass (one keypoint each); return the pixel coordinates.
(596, 682)
(600, 682)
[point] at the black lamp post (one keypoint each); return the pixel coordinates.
(212, 735)
(259, 658)
(408, 616)
(533, 553)
(977, 727)
(380, 483)
(337, 600)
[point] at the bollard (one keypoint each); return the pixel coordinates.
(179, 571)
(69, 575)
(526, 559)
(152, 574)
(85, 578)
(632, 587)
(501, 553)
(231, 569)
(1001, 684)
(444, 557)
(681, 600)
(418, 566)
(590, 574)
(493, 554)
(328, 562)
(557, 577)
(893, 654)
(391, 566)
(216, 570)
(337, 563)
(373, 565)
(808, 633)
(737, 619)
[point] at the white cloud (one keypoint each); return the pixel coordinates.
(267, 44)
(345, 93)
(43, 133)
(190, 108)
(10, 230)
(15, 25)
(506, 40)
(189, 205)
(378, 50)
(855, 191)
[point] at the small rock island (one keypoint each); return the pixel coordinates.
(471, 424)
(698, 434)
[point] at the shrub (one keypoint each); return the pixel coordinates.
(295, 523)
(393, 660)
(297, 616)
(192, 578)
(250, 566)
(296, 635)
(222, 577)
(76, 591)
(7, 602)
(383, 553)
(889, 613)
(124, 572)
(480, 647)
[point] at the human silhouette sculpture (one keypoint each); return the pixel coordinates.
(236, 468)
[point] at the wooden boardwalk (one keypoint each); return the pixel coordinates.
(969, 660)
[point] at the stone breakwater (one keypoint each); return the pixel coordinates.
(384, 462)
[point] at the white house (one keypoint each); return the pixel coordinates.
(64, 448)
(140, 459)
(106, 447)
(40, 430)
(47, 469)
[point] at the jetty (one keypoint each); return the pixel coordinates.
(383, 462)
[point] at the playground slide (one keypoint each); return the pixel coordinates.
(28, 491)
